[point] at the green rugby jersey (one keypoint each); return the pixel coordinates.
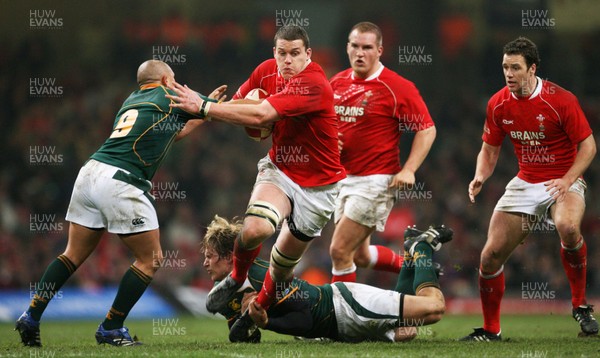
(143, 132)
(256, 276)
(306, 311)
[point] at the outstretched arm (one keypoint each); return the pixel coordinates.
(486, 162)
(295, 321)
(219, 95)
(253, 115)
(421, 145)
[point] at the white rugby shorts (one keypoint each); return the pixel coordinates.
(532, 199)
(312, 207)
(366, 200)
(102, 199)
(365, 313)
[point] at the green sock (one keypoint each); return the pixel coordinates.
(57, 273)
(406, 277)
(132, 287)
(424, 269)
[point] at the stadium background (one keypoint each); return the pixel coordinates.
(67, 66)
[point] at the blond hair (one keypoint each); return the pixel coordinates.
(221, 234)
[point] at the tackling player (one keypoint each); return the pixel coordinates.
(374, 106)
(112, 193)
(554, 145)
(342, 311)
(296, 183)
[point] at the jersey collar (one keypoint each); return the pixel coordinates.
(374, 75)
(536, 92)
(149, 86)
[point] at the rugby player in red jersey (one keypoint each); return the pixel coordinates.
(296, 184)
(554, 145)
(374, 106)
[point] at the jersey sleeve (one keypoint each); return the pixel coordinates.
(253, 81)
(243, 90)
(492, 132)
(301, 96)
(575, 123)
(413, 110)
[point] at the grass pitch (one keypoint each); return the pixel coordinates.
(524, 336)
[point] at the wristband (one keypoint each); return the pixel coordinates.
(204, 109)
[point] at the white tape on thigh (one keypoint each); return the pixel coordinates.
(265, 210)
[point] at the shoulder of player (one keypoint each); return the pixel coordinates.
(557, 94)
(343, 75)
(312, 77)
(499, 97)
(396, 84)
(265, 69)
(268, 64)
(149, 97)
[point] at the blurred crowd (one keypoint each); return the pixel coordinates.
(212, 171)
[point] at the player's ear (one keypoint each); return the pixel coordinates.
(308, 52)
(164, 80)
(533, 68)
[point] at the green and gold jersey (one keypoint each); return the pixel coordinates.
(303, 309)
(256, 276)
(143, 131)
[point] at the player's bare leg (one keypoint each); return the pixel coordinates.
(426, 307)
(567, 214)
(505, 233)
(348, 237)
(267, 206)
(146, 249)
(81, 243)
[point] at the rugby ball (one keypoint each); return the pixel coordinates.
(257, 134)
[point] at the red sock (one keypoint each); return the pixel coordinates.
(386, 260)
(267, 294)
(345, 275)
(575, 264)
(242, 260)
(491, 290)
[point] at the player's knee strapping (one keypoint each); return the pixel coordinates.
(281, 260)
(264, 210)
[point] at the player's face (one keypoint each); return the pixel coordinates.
(217, 267)
(291, 56)
(363, 53)
(520, 80)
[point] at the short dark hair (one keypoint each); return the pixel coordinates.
(291, 33)
(524, 47)
(366, 26)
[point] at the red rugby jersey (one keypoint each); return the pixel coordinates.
(544, 128)
(305, 141)
(372, 115)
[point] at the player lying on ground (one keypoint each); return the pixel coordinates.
(342, 311)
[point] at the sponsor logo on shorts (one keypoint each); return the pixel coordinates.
(138, 222)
